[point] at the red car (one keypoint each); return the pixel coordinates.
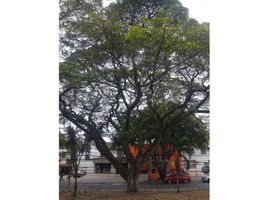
(183, 178)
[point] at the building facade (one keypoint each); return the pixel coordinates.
(93, 162)
(198, 160)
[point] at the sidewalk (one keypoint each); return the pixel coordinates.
(104, 178)
(111, 178)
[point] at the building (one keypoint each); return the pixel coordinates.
(64, 161)
(198, 160)
(100, 163)
(93, 162)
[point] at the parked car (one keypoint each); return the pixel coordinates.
(79, 173)
(183, 178)
(83, 172)
(205, 178)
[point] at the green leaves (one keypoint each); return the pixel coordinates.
(67, 69)
(188, 132)
(136, 34)
(130, 56)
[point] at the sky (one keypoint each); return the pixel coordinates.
(198, 9)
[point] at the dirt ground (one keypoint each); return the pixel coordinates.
(145, 195)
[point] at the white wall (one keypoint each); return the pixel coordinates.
(200, 159)
(87, 165)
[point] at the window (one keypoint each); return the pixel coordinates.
(103, 167)
(193, 164)
(87, 157)
(203, 151)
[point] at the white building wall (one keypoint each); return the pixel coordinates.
(201, 161)
(94, 153)
(87, 165)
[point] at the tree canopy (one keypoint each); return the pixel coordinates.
(183, 137)
(119, 59)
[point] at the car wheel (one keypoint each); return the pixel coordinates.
(208, 181)
(185, 181)
(169, 181)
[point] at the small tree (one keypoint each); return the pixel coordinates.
(76, 148)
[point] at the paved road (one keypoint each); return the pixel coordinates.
(93, 182)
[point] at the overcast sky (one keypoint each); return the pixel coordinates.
(198, 9)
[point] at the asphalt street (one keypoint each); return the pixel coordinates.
(98, 182)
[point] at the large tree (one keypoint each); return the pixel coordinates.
(119, 59)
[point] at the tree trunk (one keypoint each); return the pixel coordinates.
(132, 184)
(75, 178)
(162, 168)
(177, 177)
(162, 173)
(131, 179)
(177, 174)
(162, 161)
(75, 186)
(69, 177)
(161, 164)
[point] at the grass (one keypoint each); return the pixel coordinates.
(144, 195)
